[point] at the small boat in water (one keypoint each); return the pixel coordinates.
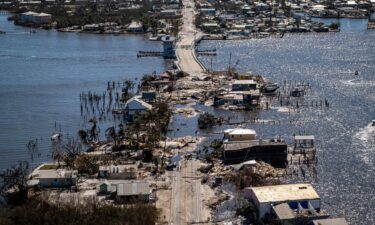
(373, 123)
(270, 87)
(56, 137)
(2, 32)
(157, 37)
(356, 73)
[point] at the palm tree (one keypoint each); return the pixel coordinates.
(128, 86)
(111, 133)
(94, 131)
(137, 129)
(83, 136)
(121, 132)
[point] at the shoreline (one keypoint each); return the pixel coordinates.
(192, 167)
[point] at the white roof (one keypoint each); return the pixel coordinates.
(304, 137)
(239, 26)
(287, 192)
(135, 24)
(319, 6)
(213, 24)
(55, 174)
(240, 131)
(244, 82)
(133, 188)
(44, 14)
(29, 13)
(140, 101)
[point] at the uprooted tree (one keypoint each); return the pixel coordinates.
(207, 120)
(13, 183)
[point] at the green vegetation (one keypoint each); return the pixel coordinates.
(207, 120)
(216, 144)
(86, 164)
(247, 177)
(37, 211)
(92, 13)
(248, 211)
(13, 183)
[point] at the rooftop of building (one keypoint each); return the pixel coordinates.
(240, 131)
(133, 188)
(286, 192)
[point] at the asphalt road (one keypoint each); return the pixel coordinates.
(186, 60)
(186, 201)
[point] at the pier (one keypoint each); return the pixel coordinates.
(209, 52)
(149, 54)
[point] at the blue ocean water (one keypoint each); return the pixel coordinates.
(344, 135)
(43, 73)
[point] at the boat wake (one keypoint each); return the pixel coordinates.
(366, 138)
(358, 82)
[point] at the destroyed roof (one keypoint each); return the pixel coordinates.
(332, 221)
(287, 192)
(133, 188)
(248, 163)
(283, 211)
(121, 168)
(240, 145)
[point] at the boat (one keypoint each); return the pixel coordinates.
(33, 31)
(270, 87)
(153, 38)
(2, 32)
(158, 37)
(373, 123)
(56, 137)
(356, 73)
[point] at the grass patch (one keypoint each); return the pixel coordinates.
(49, 167)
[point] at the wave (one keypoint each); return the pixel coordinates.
(366, 138)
